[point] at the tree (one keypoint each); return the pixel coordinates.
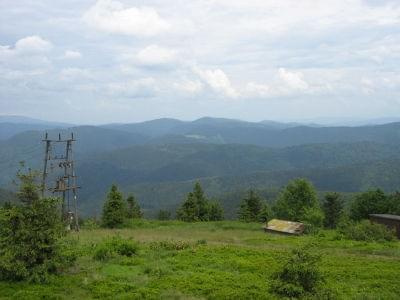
(265, 214)
(196, 207)
(394, 203)
(30, 235)
(133, 210)
(333, 209)
(114, 209)
(215, 212)
(370, 202)
(201, 202)
(250, 208)
(188, 211)
(292, 203)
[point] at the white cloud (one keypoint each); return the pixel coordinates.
(218, 81)
(284, 83)
(189, 86)
(33, 44)
(112, 17)
(293, 80)
(75, 74)
(70, 54)
(30, 45)
(144, 87)
(155, 55)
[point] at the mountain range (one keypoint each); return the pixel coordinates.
(160, 160)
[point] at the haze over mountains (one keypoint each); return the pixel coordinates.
(159, 160)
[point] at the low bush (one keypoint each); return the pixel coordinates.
(113, 247)
(365, 231)
(300, 275)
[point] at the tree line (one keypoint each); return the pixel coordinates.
(297, 201)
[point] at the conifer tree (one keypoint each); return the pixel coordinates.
(215, 212)
(30, 231)
(333, 208)
(114, 209)
(188, 211)
(133, 210)
(201, 202)
(250, 208)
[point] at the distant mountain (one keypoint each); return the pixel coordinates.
(12, 125)
(153, 128)
(270, 134)
(27, 120)
(160, 159)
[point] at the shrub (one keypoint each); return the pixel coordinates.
(31, 236)
(115, 246)
(365, 231)
(300, 274)
(370, 202)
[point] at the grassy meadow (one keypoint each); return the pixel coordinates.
(212, 260)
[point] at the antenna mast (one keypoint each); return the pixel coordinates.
(66, 181)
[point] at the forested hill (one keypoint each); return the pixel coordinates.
(159, 160)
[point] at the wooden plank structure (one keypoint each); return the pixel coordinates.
(284, 227)
(390, 221)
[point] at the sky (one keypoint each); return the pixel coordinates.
(105, 61)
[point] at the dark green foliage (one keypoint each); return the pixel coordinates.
(298, 196)
(163, 215)
(115, 246)
(252, 209)
(197, 207)
(333, 208)
(313, 219)
(133, 210)
(300, 275)
(393, 205)
(188, 211)
(28, 189)
(31, 236)
(215, 211)
(265, 214)
(114, 209)
(365, 231)
(201, 202)
(370, 202)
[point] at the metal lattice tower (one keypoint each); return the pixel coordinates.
(65, 181)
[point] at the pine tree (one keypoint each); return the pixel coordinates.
(188, 211)
(30, 232)
(201, 202)
(114, 209)
(133, 210)
(250, 208)
(215, 212)
(333, 208)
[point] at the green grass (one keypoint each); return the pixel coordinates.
(216, 260)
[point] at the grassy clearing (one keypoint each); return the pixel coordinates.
(216, 260)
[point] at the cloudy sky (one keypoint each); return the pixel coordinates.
(88, 61)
